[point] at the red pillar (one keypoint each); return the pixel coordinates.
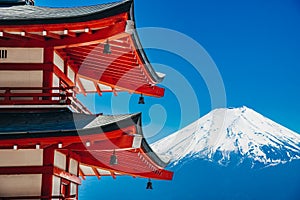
(48, 74)
(48, 160)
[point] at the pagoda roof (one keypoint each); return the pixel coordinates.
(25, 14)
(91, 138)
(14, 121)
(78, 36)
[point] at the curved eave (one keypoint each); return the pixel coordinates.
(104, 138)
(147, 149)
(103, 23)
(155, 77)
(141, 53)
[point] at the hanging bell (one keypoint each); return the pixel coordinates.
(113, 159)
(107, 49)
(141, 99)
(149, 185)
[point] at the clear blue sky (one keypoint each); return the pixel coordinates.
(255, 45)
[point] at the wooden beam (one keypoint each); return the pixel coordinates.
(50, 34)
(98, 89)
(25, 66)
(115, 92)
(61, 75)
(138, 88)
(122, 82)
(33, 36)
(25, 170)
(81, 87)
(113, 175)
(10, 36)
(66, 175)
(96, 173)
(81, 174)
(69, 33)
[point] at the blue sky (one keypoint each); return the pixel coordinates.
(254, 44)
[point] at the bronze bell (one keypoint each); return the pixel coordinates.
(149, 185)
(107, 49)
(141, 99)
(113, 159)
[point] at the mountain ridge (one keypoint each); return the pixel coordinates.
(231, 136)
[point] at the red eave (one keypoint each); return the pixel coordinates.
(81, 46)
(131, 161)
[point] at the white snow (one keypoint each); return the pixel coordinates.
(241, 131)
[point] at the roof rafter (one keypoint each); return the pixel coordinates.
(81, 87)
(11, 36)
(98, 89)
(32, 36)
(96, 173)
(127, 85)
(81, 174)
(50, 34)
(69, 33)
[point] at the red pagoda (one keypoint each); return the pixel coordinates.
(49, 140)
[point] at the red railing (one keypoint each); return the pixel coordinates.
(60, 197)
(42, 96)
(35, 96)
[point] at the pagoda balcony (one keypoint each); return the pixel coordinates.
(57, 96)
(59, 197)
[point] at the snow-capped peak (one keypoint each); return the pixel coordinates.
(237, 134)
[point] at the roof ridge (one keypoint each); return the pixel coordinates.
(25, 14)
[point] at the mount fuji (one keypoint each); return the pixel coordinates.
(231, 137)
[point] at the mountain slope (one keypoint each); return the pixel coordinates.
(232, 136)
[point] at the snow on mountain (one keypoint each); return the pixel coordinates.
(231, 136)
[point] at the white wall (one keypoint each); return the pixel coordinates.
(58, 61)
(56, 186)
(32, 78)
(20, 185)
(71, 74)
(73, 189)
(13, 158)
(73, 167)
(60, 160)
(23, 55)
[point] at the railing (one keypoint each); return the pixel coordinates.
(42, 96)
(35, 96)
(77, 106)
(58, 197)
